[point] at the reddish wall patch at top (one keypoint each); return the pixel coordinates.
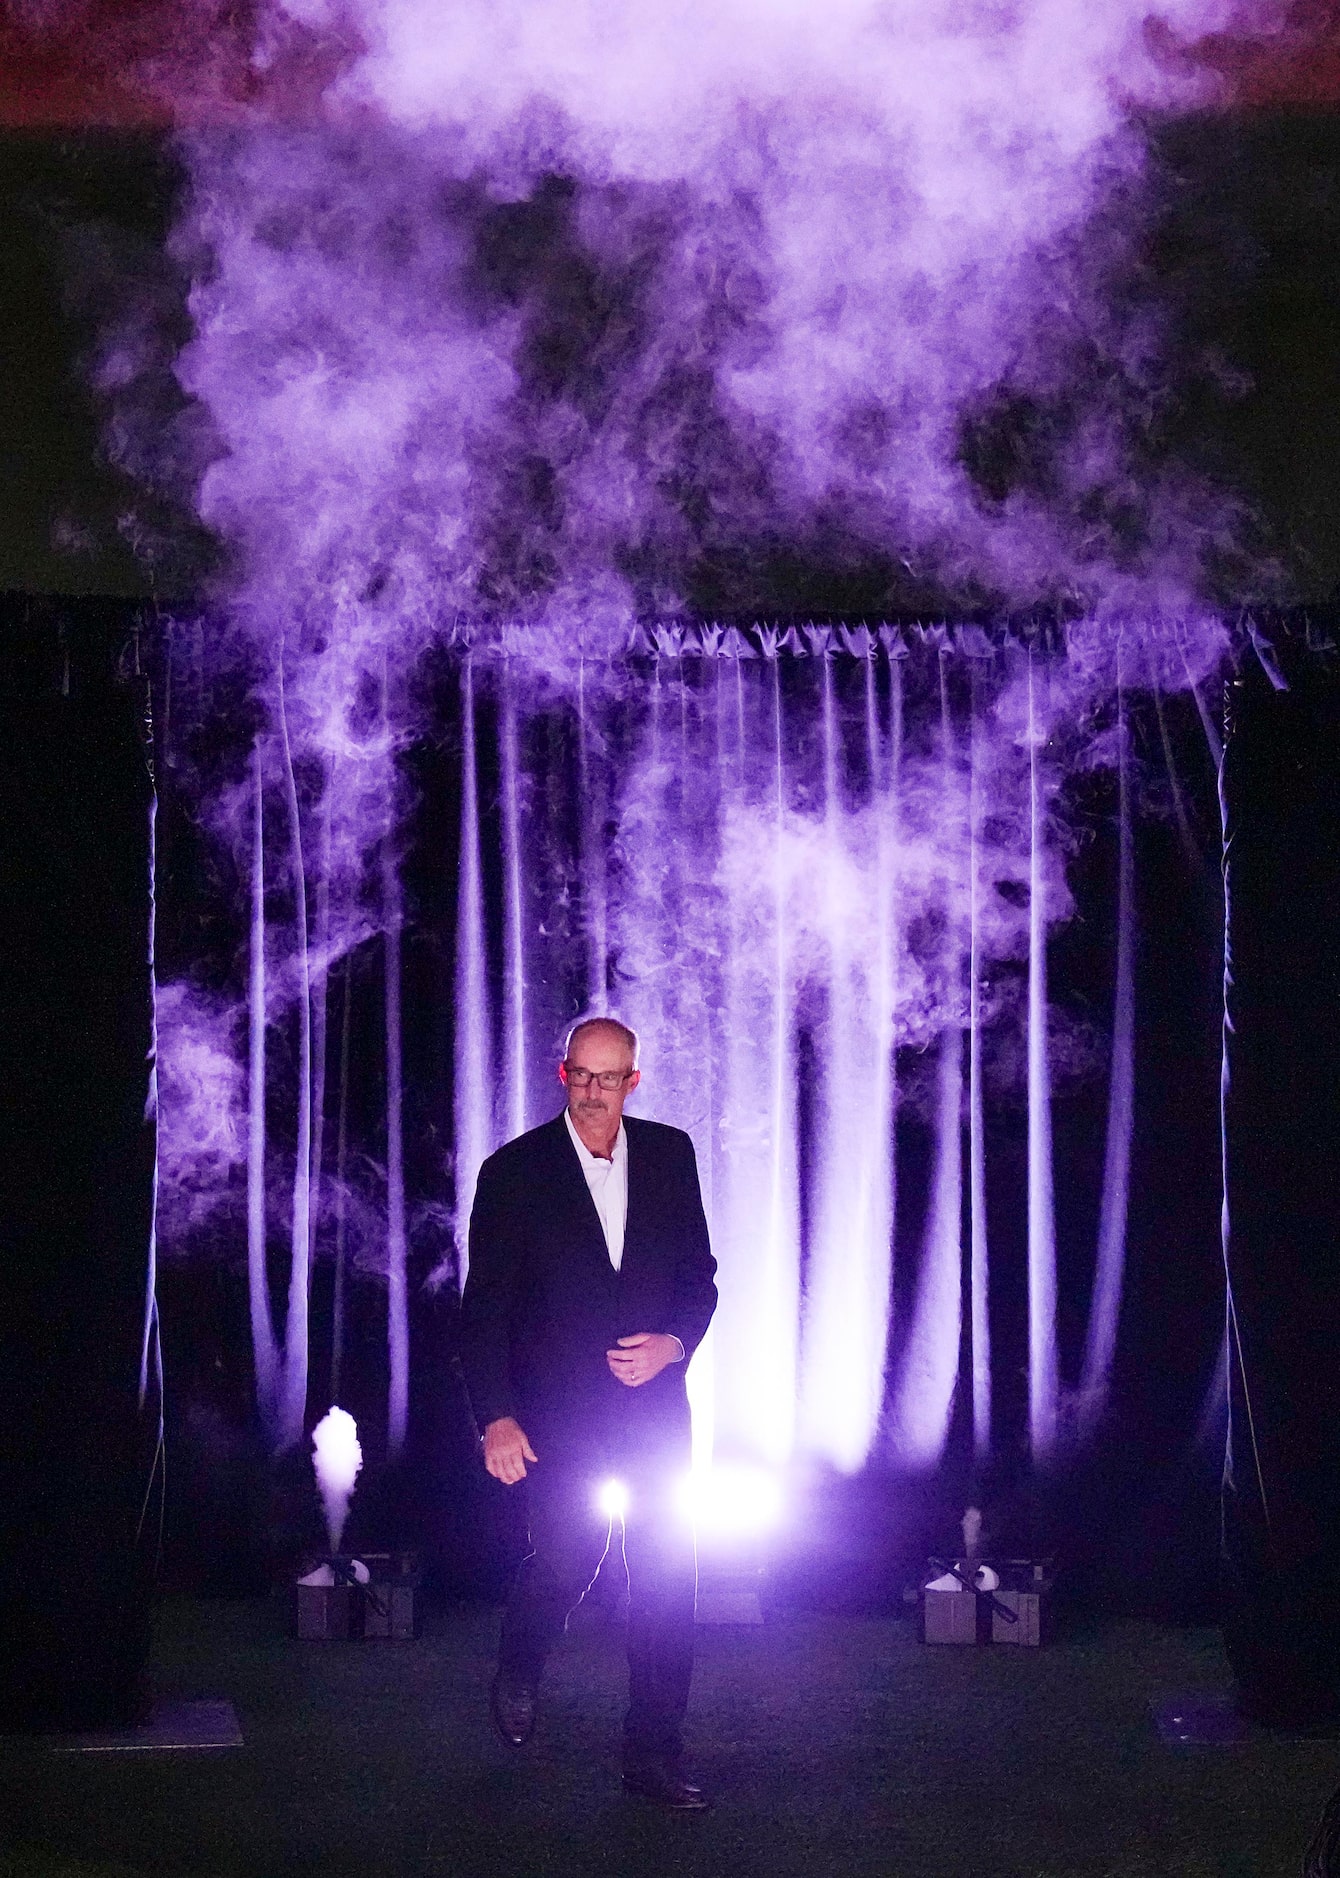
(88, 64)
(70, 64)
(1269, 58)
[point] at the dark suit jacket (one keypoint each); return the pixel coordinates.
(542, 1303)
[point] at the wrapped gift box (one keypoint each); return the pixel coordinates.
(1025, 1589)
(1011, 1604)
(951, 1611)
(950, 1617)
(374, 1595)
(391, 1596)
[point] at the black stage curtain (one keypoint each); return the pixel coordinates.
(80, 1397)
(1281, 796)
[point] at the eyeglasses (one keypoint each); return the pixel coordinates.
(607, 1078)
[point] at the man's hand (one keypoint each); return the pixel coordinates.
(639, 1358)
(506, 1450)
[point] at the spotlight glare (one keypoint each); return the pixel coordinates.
(612, 1499)
(733, 1501)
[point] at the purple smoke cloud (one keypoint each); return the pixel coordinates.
(830, 235)
(571, 315)
(201, 1109)
(549, 321)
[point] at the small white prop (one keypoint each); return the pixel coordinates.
(984, 1579)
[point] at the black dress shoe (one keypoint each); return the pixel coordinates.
(512, 1704)
(665, 1786)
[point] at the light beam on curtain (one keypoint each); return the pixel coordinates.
(474, 1023)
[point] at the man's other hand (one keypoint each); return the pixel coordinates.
(643, 1356)
(506, 1450)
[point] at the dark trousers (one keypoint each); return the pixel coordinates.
(569, 1536)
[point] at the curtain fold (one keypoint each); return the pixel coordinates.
(80, 1382)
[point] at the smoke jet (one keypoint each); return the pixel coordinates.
(337, 1459)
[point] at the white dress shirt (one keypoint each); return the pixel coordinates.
(608, 1184)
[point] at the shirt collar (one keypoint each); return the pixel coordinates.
(617, 1158)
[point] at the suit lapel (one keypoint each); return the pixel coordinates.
(578, 1208)
(637, 1192)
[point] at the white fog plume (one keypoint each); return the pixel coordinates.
(337, 1459)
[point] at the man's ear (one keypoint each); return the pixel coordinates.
(563, 1074)
(634, 1080)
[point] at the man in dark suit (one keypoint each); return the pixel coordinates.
(590, 1286)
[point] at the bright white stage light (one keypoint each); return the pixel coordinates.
(613, 1499)
(732, 1501)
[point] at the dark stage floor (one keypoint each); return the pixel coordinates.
(835, 1745)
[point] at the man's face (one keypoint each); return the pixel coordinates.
(603, 1051)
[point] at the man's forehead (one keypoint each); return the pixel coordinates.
(597, 1041)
